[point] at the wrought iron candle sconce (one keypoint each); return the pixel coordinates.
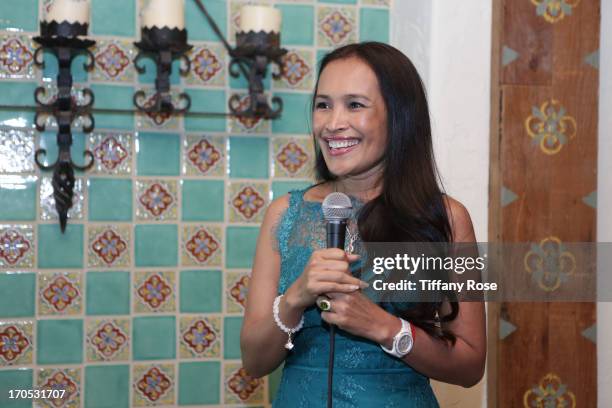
(253, 53)
(165, 45)
(256, 50)
(62, 39)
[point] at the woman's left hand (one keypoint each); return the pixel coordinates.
(357, 314)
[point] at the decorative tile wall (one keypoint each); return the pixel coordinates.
(140, 302)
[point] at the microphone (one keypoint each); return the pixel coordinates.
(337, 208)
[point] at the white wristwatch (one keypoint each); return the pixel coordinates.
(402, 342)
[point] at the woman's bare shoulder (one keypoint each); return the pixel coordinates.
(460, 220)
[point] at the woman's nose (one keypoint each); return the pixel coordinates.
(337, 121)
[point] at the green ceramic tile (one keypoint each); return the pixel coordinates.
(16, 93)
(17, 294)
(20, 379)
(114, 97)
(111, 17)
(274, 379)
(154, 338)
(297, 24)
(198, 27)
(199, 383)
(21, 15)
(158, 154)
(148, 77)
(48, 141)
(59, 341)
(280, 188)
(231, 337)
(108, 293)
(241, 242)
(107, 386)
(248, 157)
(110, 199)
(77, 68)
(200, 291)
(17, 198)
(374, 25)
(203, 200)
(296, 114)
(203, 104)
(156, 245)
(57, 250)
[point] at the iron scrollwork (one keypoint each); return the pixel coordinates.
(62, 40)
(165, 45)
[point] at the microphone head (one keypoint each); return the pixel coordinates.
(337, 207)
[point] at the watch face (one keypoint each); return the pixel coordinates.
(404, 343)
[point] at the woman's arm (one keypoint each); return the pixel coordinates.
(261, 341)
(464, 363)
(461, 364)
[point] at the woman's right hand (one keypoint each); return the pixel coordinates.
(326, 271)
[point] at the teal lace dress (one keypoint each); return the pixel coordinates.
(364, 375)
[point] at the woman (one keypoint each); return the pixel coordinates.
(373, 142)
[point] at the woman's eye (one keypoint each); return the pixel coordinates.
(321, 105)
(355, 105)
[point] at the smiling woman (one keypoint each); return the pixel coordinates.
(373, 142)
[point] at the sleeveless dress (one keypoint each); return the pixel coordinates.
(364, 375)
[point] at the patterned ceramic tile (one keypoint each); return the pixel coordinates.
(153, 384)
(247, 201)
(293, 157)
(243, 124)
(154, 292)
(16, 151)
(208, 65)
(204, 155)
(108, 339)
(17, 246)
(236, 289)
(156, 200)
(68, 379)
(17, 343)
(16, 57)
(60, 293)
(297, 71)
(200, 336)
(201, 245)
(113, 60)
(47, 201)
(241, 388)
(113, 153)
(336, 26)
(158, 120)
(109, 245)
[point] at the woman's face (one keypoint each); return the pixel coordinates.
(350, 118)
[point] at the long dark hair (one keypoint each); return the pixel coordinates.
(411, 206)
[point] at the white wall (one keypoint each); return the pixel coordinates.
(450, 43)
(604, 202)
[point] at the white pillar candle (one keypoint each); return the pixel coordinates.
(260, 18)
(164, 13)
(73, 11)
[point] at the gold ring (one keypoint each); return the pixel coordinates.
(324, 304)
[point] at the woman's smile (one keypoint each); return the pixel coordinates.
(339, 146)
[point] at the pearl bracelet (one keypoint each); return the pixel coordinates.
(289, 344)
